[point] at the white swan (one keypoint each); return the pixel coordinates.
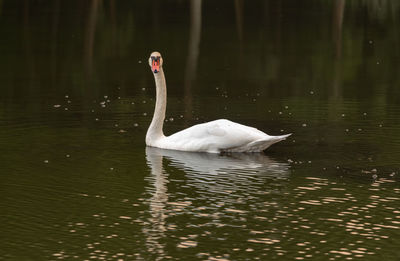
(214, 137)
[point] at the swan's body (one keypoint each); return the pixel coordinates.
(217, 136)
(213, 137)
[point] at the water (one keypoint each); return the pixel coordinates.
(77, 96)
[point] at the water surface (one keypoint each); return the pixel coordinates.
(77, 96)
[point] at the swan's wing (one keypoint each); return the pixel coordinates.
(234, 131)
(215, 129)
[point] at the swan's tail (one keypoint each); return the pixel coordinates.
(259, 145)
(264, 144)
(279, 138)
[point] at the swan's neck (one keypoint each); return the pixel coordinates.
(155, 130)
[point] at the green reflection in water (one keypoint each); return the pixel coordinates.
(77, 97)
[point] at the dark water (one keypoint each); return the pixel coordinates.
(77, 95)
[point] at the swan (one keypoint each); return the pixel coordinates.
(218, 136)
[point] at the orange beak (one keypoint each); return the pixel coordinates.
(155, 64)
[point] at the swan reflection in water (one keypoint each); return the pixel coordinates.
(213, 177)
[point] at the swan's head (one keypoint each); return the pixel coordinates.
(155, 62)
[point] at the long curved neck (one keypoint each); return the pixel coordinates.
(155, 130)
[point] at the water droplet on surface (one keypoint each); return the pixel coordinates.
(57, 106)
(46, 161)
(135, 124)
(304, 125)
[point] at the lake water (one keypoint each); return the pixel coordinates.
(77, 95)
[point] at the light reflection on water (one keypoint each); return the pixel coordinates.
(221, 184)
(250, 208)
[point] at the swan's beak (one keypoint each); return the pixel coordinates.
(155, 64)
